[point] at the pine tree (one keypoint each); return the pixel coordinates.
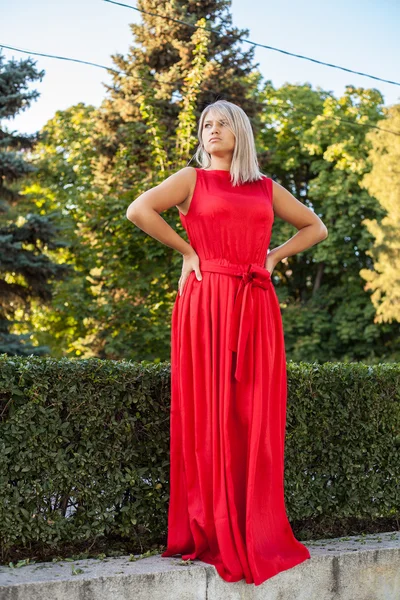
(25, 269)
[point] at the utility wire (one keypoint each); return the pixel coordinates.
(320, 62)
(85, 62)
(152, 81)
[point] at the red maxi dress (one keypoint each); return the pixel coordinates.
(228, 391)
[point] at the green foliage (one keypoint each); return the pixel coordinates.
(92, 163)
(185, 138)
(84, 448)
(320, 153)
(26, 271)
(63, 186)
(383, 182)
(343, 439)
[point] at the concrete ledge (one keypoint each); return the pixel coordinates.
(355, 568)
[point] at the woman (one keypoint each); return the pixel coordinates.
(228, 364)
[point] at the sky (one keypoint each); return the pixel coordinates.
(358, 35)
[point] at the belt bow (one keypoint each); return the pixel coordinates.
(242, 318)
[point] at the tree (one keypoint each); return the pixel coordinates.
(318, 149)
(161, 60)
(143, 131)
(25, 270)
(62, 185)
(383, 182)
(94, 162)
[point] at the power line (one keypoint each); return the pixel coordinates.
(149, 79)
(320, 62)
(85, 62)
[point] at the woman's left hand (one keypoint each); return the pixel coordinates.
(271, 262)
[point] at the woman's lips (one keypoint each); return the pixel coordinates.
(215, 140)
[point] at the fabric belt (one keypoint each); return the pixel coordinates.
(252, 275)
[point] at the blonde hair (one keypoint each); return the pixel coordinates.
(244, 165)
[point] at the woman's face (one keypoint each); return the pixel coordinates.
(216, 126)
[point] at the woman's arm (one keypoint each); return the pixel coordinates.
(311, 229)
(145, 211)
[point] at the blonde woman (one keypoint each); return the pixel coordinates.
(228, 364)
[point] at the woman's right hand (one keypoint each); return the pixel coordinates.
(191, 263)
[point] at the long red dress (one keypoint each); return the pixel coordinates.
(228, 391)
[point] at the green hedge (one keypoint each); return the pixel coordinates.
(84, 447)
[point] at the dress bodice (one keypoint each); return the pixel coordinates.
(230, 223)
